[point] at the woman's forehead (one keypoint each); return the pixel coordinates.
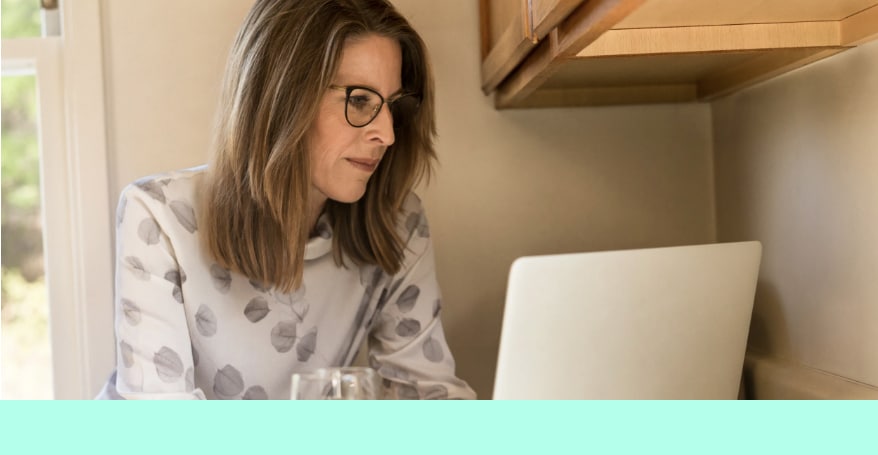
(373, 61)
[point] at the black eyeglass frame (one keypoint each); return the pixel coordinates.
(348, 89)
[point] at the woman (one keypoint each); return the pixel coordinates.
(301, 239)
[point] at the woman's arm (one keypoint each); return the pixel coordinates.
(154, 358)
(407, 344)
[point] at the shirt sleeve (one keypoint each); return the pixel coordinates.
(154, 357)
(407, 344)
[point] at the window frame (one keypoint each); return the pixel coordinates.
(75, 201)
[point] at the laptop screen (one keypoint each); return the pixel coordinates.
(658, 323)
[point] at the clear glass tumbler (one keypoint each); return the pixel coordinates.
(337, 383)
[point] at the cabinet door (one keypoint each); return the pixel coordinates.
(510, 31)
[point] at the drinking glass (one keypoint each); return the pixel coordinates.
(337, 383)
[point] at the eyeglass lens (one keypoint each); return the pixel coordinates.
(363, 105)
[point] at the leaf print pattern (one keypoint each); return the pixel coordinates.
(408, 298)
(408, 327)
(137, 267)
(406, 392)
(307, 345)
(261, 287)
(127, 353)
(205, 321)
(153, 189)
(283, 336)
(131, 311)
(228, 382)
(257, 392)
(168, 364)
(418, 222)
(412, 222)
(435, 392)
(256, 309)
(185, 215)
(178, 278)
(149, 231)
(433, 350)
(222, 278)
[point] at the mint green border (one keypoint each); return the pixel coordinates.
(483, 427)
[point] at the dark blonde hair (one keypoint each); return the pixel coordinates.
(254, 210)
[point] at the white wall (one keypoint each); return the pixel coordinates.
(797, 168)
(510, 183)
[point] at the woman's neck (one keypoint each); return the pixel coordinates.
(316, 203)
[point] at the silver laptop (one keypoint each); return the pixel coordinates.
(659, 323)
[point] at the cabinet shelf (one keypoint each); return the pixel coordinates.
(554, 53)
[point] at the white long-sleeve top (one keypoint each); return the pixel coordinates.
(188, 328)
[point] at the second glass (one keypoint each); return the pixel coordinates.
(337, 383)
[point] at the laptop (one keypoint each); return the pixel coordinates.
(658, 323)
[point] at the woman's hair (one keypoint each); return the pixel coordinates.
(254, 209)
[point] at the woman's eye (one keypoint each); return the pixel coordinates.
(359, 102)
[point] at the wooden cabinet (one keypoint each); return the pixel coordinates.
(550, 53)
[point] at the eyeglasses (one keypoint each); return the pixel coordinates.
(363, 104)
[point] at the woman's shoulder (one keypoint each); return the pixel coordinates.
(167, 186)
(163, 195)
(414, 218)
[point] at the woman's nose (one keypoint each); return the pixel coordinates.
(382, 127)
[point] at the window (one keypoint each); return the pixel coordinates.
(55, 179)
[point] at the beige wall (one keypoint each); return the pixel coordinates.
(510, 183)
(797, 168)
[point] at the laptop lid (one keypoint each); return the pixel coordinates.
(658, 323)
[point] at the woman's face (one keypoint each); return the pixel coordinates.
(343, 157)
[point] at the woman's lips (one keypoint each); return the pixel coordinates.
(363, 164)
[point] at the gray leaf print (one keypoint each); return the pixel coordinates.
(406, 392)
(255, 393)
(437, 307)
(195, 356)
(307, 345)
(408, 298)
(387, 371)
(149, 231)
(185, 215)
(300, 309)
(436, 392)
(222, 278)
(205, 321)
(153, 189)
(120, 210)
(177, 278)
(408, 327)
(412, 222)
(137, 267)
(131, 311)
(416, 221)
(433, 351)
(228, 382)
(283, 336)
(190, 379)
(256, 309)
(168, 364)
(261, 287)
(290, 298)
(127, 354)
